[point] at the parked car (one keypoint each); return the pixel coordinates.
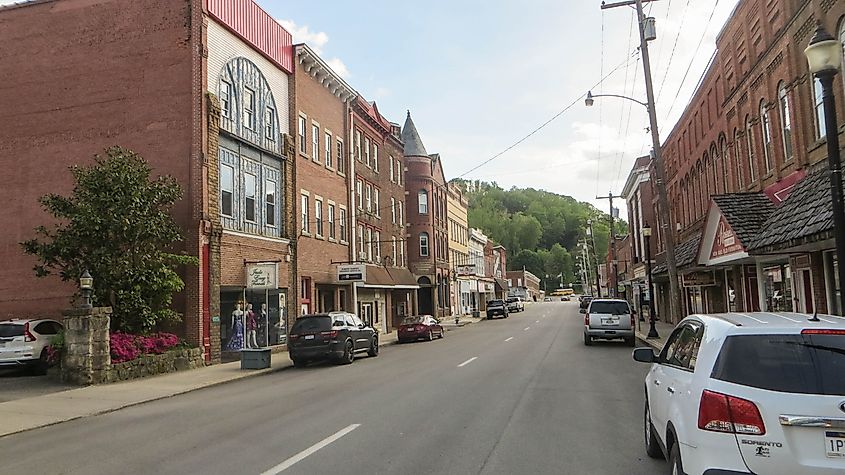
(496, 307)
(23, 343)
(547, 299)
(515, 304)
(336, 336)
(584, 301)
(565, 298)
(608, 319)
(420, 326)
(748, 393)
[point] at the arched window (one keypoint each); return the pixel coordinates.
(422, 198)
(247, 107)
(766, 129)
(749, 145)
(738, 178)
(423, 244)
(725, 158)
(785, 122)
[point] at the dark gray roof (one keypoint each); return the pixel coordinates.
(745, 213)
(685, 254)
(804, 217)
(413, 144)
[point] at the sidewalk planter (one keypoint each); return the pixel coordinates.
(258, 358)
(178, 359)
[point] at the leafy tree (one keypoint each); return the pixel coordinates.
(117, 224)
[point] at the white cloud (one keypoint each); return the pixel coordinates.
(316, 40)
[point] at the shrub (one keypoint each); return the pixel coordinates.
(56, 348)
(127, 347)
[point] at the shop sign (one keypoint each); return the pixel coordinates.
(725, 241)
(485, 287)
(468, 269)
(699, 279)
(351, 272)
(262, 276)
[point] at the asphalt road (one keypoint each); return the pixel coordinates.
(514, 396)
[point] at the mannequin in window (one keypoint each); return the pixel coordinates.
(265, 323)
(251, 327)
(236, 341)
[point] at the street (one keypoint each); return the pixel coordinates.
(521, 395)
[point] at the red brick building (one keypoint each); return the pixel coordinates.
(428, 249)
(321, 105)
(386, 295)
(749, 195)
(195, 88)
(640, 200)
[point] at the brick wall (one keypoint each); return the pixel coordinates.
(95, 78)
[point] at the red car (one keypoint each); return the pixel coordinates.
(421, 326)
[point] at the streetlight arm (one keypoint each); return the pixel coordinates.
(590, 97)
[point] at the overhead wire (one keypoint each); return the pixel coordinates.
(674, 48)
(625, 92)
(547, 122)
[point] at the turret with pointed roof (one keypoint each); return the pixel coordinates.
(413, 143)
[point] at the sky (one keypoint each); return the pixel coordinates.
(479, 76)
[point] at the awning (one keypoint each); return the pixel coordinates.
(501, 284)
(389, 278)
(732, 222)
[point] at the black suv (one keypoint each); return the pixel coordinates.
(336, 336)
(496, 307)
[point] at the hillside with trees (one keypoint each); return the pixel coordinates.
(540, 229)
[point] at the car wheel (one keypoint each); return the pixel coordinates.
(298, 363)
(430, 335)
(588, 340)
(652, 448)
(675, 463)
(42, 365)
(373, 351)
(348, 353)
(489, 317)
(442, 333)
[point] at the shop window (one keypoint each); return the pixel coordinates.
(251, 319)
(305, 295)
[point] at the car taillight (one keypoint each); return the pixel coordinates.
(293, 337)
(587, 319)
(27, 336)
(420, 328)
(632, 320)
(815, 331)
(722, 413)
(330, 334)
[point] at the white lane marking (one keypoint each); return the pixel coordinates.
(538, 321)
(310, 450)
(826, 320)
(525, 329)
(467, 362)
(509, 339)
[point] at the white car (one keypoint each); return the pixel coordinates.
(23, 343)
(738, 393)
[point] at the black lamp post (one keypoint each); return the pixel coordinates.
(652, 313)
(86, 285)
(824, 56)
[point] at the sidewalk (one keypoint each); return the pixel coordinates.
(463, 320)
(663, 329)
(39, 411)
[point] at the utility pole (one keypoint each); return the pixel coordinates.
(614, 261)
(595, 255)
(659, 170)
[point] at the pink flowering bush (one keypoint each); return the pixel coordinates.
(127, 347)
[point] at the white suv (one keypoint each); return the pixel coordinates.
(747, 393)
(23, 343)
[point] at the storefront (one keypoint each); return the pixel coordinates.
(385, 296)
(253, 316)
(486, 292)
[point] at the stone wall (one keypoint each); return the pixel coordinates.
(87, 358)
(150, 365)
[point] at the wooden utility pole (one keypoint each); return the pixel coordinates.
(612, 234)
(666, 231)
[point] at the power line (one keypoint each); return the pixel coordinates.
(544, 124)
(692, 60)
(625, 91)
(674, 47)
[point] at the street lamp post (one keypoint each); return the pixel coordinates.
(595, 256)
(824, 55)
(652, 330)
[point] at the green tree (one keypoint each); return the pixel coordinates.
(117, 224)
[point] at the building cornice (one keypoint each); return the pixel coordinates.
(313, 65)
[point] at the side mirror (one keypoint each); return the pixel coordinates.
(360, 325)
(582, 310)
(644, 355)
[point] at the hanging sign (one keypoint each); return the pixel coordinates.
(468, 269)
(262, 276)
(699, 279)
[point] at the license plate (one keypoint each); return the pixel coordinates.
(609, 321)
(834, 443)
(309, 337)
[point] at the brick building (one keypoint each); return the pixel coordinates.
(638, 195)
(321, 107)
(428, 251)
(750, 202)
(387, 294)
(523, 284)
(193, 88)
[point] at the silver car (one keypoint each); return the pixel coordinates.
(609, 319)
